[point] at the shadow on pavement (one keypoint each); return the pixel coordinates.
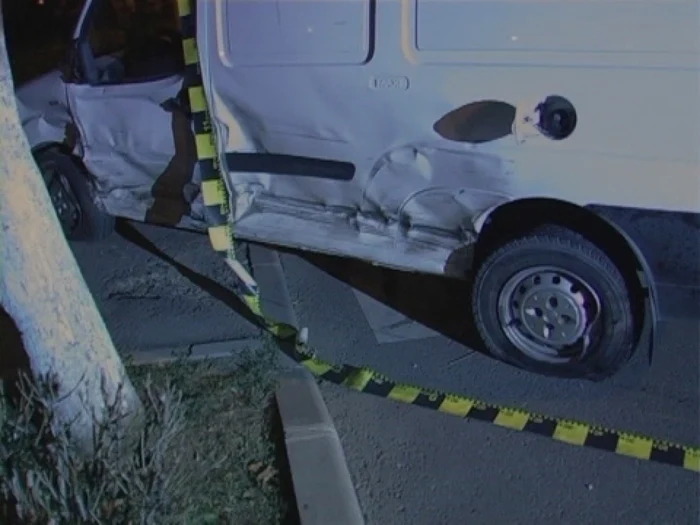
(438, 303)
(210, 286)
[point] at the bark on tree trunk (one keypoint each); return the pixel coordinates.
(42, 289)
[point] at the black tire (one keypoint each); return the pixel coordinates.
(83, 221)
(582, 274)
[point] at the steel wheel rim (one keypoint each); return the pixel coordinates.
(545, 311)
(64, 202)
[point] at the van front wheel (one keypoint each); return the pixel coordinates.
(554, 303)
(71, 196)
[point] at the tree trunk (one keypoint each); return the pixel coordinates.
(42, 289)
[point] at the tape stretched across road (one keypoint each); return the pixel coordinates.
(221, 234)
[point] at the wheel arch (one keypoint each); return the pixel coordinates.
(516, 218)
(64, 149)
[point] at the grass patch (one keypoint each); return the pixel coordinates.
(206, 455)
(228, 403)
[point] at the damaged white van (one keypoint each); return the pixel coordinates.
(527, 146)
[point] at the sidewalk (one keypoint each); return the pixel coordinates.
(149, 304)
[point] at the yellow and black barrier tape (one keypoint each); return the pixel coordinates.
(564, 430)
(216, 199)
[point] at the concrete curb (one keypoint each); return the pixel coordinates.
(194, 352)
(323, 486)
(274, 294)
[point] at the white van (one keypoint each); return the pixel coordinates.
(493, 140)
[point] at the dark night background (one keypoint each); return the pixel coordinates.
(38, 31)
(37, 34)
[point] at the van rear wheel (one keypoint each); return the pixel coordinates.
(553, 303)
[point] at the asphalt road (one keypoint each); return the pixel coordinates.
(152, 303)
(413, 466)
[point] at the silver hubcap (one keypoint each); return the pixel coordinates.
(544, 310)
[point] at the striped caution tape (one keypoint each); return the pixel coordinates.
(564, 430)
(216, 200)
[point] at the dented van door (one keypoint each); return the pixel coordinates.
(388, 130)
(136, 140)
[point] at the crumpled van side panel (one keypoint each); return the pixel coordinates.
(432, 103)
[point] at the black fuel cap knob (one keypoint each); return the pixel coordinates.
(557, 117)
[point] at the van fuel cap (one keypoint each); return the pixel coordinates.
(557, 117)
(553, 117)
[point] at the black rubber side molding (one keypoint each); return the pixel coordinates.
(290, 165)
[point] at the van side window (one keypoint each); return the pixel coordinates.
(301, 32)
(107, 33)
(136, 40)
